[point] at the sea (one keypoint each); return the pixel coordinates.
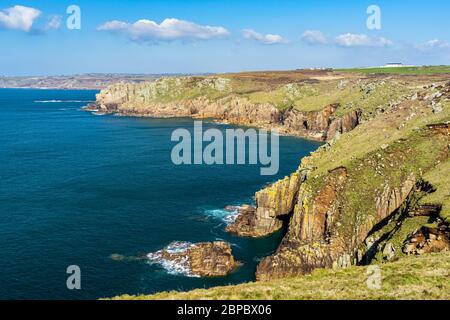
(96, 191)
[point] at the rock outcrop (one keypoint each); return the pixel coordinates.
(204, 259)
(428, 240)
(412, 230)
(392, 198)
(166, 98)
(343, 124)
(317, 236)
(273, 202)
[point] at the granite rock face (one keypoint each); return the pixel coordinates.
(344, 124)
(314, 124)
(392, 198)
(335, 212)
(273, 202)
(316, 237)
(161, 98)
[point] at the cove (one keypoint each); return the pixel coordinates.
(76, 188)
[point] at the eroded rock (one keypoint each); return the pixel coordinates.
(307, 244)
(428, 239)
(392, 198)
(344, 124)
(204, 259)
(272, 202)
(165, 98)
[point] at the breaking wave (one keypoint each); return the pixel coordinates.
(180, 266)
(59, 101)
(226, 215)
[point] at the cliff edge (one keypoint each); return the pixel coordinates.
(376, 191)
(218, 98)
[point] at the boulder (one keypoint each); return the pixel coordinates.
(204, 259)
(428, 239)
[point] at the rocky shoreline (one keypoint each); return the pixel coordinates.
(136, 100)
(333, 207)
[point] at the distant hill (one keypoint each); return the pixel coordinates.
(82, 81)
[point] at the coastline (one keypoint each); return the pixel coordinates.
(313, 202)
(322, 124)
(316, 199)
(209, 119)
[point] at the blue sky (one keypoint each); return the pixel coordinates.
(217, 36)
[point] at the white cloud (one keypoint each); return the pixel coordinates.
(361, 40)
(54, 23)
(168, 30)
(433, 45)
(314, 37)
(265, 39)
(18, 18)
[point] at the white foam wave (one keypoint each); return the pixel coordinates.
(59, 101)
(180, 266)
(178, 247)
(227, 216)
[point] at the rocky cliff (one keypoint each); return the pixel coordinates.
(348, 202)
(272, 204)
(213, 98)
(339, 199)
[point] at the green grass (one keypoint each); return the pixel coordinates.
(439, 177)
(397, 232)
(303, 96)
(383, 150)
(422, 277)
(314, 97)
(169, 90)
(425, 70)
(373, 134)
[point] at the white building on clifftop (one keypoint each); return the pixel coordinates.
(395, 65)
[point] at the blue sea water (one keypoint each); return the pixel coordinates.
(76, 188)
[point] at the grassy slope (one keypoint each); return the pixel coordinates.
(373, 134)
(303, 93)
(383, 150)
(439, 178)
(424, 277)
(313, 97)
